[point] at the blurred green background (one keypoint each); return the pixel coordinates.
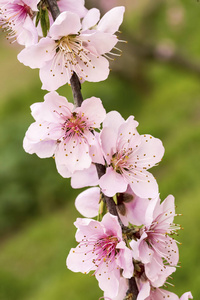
(157, 80)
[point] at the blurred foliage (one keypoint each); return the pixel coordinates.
(37, 204)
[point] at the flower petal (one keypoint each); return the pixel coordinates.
(53, 75)
(149, 152)
(35, 56)
(108, 139)
(86, 177)
(113, 120)
(91, 18)
(101, 41)
(97, 70)
(112, 182)
(111, 21)
(65, 24)
(28, 36)
(73, 154)
(87, 202)
(186, 296)
(93, 110)
(75, 7)
(42, 149)
(144, 185)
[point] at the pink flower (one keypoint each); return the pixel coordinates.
(74, 47)
(64, 131)
(128, 156)
(101, 249)
(16, 18)
(155, 244)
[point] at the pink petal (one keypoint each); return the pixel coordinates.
(32, 4)
(29, 35)
(144, 290)
(144, 185)
(66, 23)
(109, 280)
(36, 111)
(91, 18)
(108, 139)
(150, 151)
(135, 211)
(88, 228)
(112, 225)
(42, 149)
(128, 135)
(35, 56)
(149, 215)
(113, 120)
(77, 261)
(158, 294)
(54, 75)
(125, 260)
(97, 70)
(156, 272)
(102, 42)
(111, 20)
(63, 171)
(93, 110)
(75, 7)
(56, 108)
(112, 183)
(123, 287)
(96, 151)
(168, 207)
(87, 202)
(186, 296)
(73, 154)
(43, 131)
(86, 177)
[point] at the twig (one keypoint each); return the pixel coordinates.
(78, 99)
(76, 90)
(132, 292)
(53, 7)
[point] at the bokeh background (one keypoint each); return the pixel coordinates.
(157, 80)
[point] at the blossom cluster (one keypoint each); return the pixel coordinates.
(136, 241)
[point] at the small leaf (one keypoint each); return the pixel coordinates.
(47, 19)
(45, 24)
(38, 17)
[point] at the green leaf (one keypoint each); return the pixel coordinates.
(38, 17)
(47, 19)
(44, 20)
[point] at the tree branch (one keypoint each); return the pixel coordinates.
(53, 7)
(76, 90)
(132, 292)
(101, 169)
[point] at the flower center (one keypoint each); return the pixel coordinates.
(105, 250)
(76, 125)
(69, 44)
(13, 16)
(72, 55)
(119, 161)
